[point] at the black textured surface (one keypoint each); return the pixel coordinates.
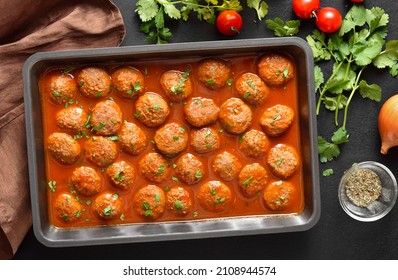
(336, 235)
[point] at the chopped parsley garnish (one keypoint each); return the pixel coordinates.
(219, 200)
(213, 191)
(107, 211)
(145, 206)
(176, 138)
(250, 83)
(119, 176)
(52, 185)
(198, 174)
(229, 82)
(115, 196)
(175, 179)
(57, 94)
(178, 204)
(279, 162)
(247, 181)
(98, 127)
(161, 169)
(87, 123)
(246, 95)
(121, 217)
(157, 197)
(114, 137)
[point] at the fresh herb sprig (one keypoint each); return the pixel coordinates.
(153, 14)
(281, 28)
(359, 43)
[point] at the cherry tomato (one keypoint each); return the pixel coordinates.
(229, 22)
(328, 20)
(305, 8)
(356, 1)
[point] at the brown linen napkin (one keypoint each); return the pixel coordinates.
(27, 27)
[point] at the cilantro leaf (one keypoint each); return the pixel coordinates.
(327, 172)
(260, 6)
(327, 151)
(372, 92)
(318, 75)
(317, 43)
(364, 52)
(146, 9)
(340, 136)
(388, 57)
(356, 16)
(376, 18)
(282, 28)
(170, 9)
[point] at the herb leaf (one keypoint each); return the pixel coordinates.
(260, 6)
(281, 28)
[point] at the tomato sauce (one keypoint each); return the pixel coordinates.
(242, 206)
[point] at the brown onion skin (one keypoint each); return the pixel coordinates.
(388, 124)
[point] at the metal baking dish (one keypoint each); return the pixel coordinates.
(51, 236)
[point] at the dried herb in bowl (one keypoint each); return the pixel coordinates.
(363, 187)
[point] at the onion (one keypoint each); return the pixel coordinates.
(388, 124)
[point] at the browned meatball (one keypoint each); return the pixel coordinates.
(86, 180)
(282, 160)
(63, 148)
(254, 143)
(151, 109)
(275, 69)
(215, 196)
(205, 140)
(61, 88)
(201, 111)
(227, 166)
(68, 207)
(214, 73)
(128, 82)
(108, 206)
(132, 138)
(154, 167)
(277, 119)
(94, 82)
(101, 151)
(280, 195)
(189, 169)
(121, 174)
(71, 120)
(252, 89)
(176, 84)
(171, 139)
(178, 201)
(252, 179)
(235, 116)
(150, 202)
(106, 118)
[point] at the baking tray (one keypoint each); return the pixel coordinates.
(51, 236)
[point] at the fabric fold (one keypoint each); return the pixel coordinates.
(32, 26)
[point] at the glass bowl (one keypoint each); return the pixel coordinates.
(382, 205)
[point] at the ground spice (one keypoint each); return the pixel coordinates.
(363, 187)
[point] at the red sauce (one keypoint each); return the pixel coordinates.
(242, 206)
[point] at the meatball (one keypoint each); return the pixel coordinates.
(61, 88)
(178, 201)
(205, 140)
(94, 82)
(279, 195)
(86, 180)
(63, 148)
(282, 160)
(275, 69)
(154, 167)
(215, 196)
(277, 119)
(101, 151)
(214, 73)
(189, 169)
(106, 118)
(252, 89)
(171, 139)
(71, 119)
(252, 179)
(121, 174)
(227, 166)
(132, 139)
(176, 84)
(128, 82)
(254, 143)
(150, 202)
(151, 109)
(235, 116)
(67, 207)
(108, 205)
(201, 111)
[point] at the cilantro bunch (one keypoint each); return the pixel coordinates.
(359, 43)
(154, 13)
